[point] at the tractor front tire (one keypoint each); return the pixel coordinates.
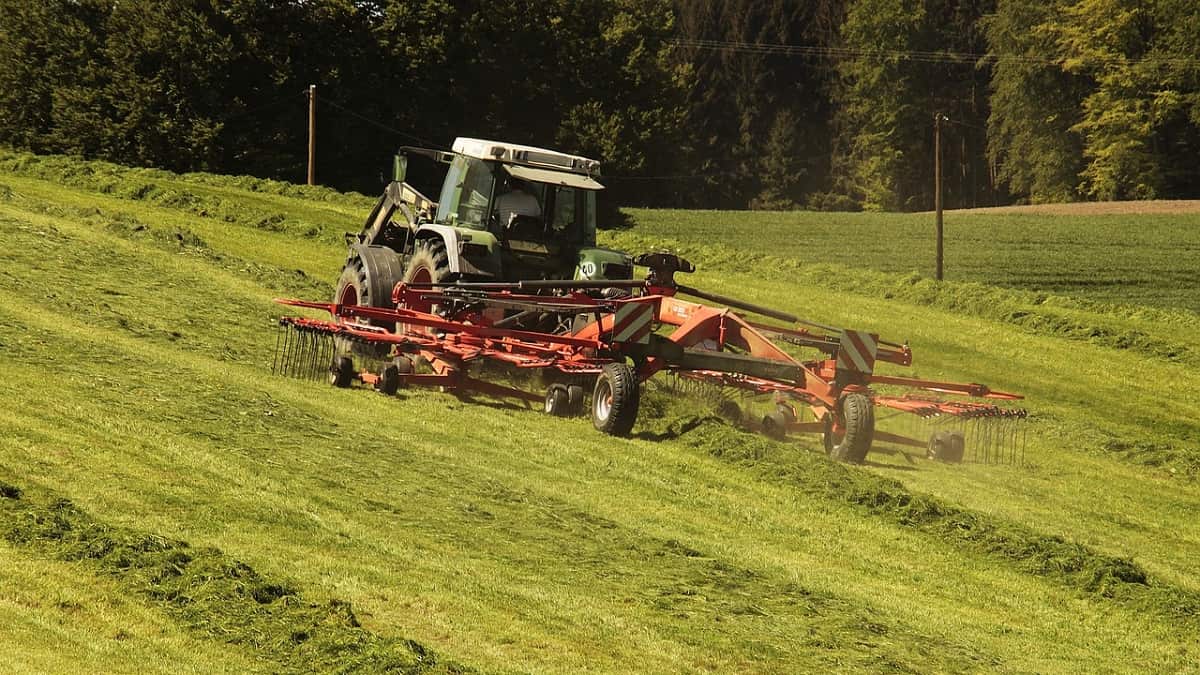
(428, 264)
(858, 418)
(615, 400)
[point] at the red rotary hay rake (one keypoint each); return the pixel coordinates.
(600, 340)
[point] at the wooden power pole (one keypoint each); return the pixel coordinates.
(312, 138)
(938, 118)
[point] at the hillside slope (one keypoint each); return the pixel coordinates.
(168, 504)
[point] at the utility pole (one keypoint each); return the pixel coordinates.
(312, 136)
(938, 118)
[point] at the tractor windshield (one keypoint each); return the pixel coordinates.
(466, 193)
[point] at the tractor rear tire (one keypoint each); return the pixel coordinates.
(858, 415)
(428, 263)
(615, 400)
(367, 280)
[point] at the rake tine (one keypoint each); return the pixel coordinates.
(297, 355)
(310, 356)
(974, 430)
(305, 350)
(278, 339)
(289, 344)
(315, 345)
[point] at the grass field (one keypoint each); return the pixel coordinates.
(167, 504)
(1114, 256)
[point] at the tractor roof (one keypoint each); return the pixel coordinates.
(525, 155)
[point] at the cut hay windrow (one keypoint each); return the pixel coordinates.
(211, 592)
(1070, 564)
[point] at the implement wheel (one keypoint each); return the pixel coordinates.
(858, 430)
(341, 372)
(774, 425)
(389, 380)
(615, 400)
(557, 401)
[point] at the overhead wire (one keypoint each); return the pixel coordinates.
(376, 123)
(922, 56)
(266, 106)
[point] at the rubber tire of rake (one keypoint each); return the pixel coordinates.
(774, 425)
(341, 372)
(859, 417)
(557, 401)
(389, 379)
(617, 390)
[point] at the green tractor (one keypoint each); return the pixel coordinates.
(505, 213)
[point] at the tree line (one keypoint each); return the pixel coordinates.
(825, 104)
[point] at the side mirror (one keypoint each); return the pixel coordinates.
(399, 167)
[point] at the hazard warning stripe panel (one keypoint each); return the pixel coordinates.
(632, 322)
(857, 351)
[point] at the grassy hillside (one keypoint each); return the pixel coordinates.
(168, 504)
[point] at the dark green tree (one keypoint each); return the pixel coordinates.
(1034, 104)
(905, 66)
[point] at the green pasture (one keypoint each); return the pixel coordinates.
(166, 503)
(1132, 258)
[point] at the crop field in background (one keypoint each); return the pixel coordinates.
(167, 504)
(1113, 255)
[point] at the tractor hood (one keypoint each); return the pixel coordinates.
(553, 177)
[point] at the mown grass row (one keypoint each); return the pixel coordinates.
(211, 592)
(698, 598)
(1118, 579)
(201, 195)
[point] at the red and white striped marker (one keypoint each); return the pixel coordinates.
(857, 351)
(632, 322)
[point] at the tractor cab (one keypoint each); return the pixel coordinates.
(529, 196)
(538, 204)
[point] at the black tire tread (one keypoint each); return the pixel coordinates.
(859, 415)
(626, 395)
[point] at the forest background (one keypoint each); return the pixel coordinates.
(769, 104)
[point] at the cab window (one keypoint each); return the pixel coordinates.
(575, 213)
(466, 193)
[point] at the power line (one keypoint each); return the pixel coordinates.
(909, 55)
(376, 123)
(267, 106)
